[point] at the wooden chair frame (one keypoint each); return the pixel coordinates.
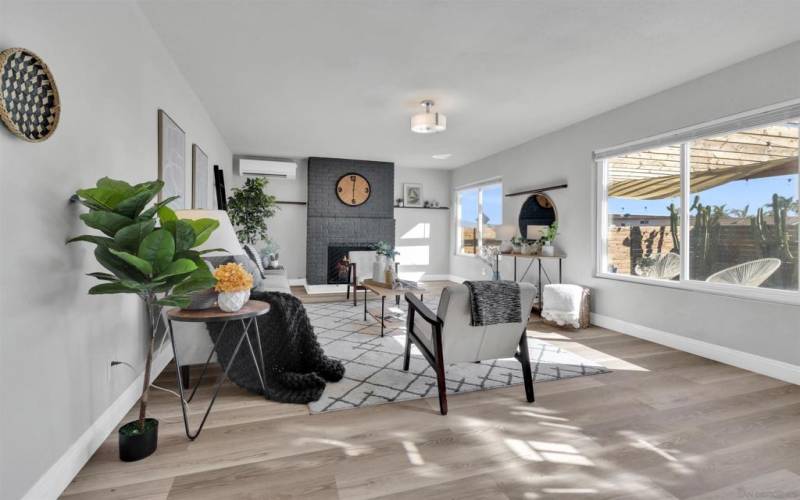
(436, 358)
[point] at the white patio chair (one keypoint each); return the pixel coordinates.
(666, 267)
(752, 273)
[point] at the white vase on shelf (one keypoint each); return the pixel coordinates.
(232, 301)
(548, 250)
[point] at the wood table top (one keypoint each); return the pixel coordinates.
(250, 309)
(381, 288)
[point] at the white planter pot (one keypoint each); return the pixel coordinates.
(548, 250)
(232, 301)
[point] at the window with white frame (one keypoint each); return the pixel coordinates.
(718, 206)
(479, 212)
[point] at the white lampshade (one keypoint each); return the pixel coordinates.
(222, 237)
(428, 122)
(535, 232)
(506, 232)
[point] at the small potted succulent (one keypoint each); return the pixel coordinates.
(548, 250)
(516, 243)
(233, 284)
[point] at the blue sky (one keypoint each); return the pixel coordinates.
(755, 192)
(492, 205)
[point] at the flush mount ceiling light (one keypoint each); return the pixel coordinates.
(442, 156)
(428, 122)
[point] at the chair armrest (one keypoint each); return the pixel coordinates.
(417, 305)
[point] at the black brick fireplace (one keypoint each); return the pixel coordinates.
(334, 227)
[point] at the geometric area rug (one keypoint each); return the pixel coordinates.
(374, 365)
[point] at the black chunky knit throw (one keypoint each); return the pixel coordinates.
(297, 368)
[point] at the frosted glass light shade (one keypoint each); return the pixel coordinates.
(428, 123)
(222, 237)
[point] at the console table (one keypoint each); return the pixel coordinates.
(534, 258)
(247, 317)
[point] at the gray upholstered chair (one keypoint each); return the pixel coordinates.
(446, 337)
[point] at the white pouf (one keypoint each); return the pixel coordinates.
(566, 305)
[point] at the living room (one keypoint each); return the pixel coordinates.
(489, 249)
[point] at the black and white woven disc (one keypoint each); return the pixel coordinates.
(29, 103)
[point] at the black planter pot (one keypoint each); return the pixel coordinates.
(135, 445)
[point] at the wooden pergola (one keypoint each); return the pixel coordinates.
(754, 153)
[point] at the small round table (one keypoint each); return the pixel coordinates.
(247, 316)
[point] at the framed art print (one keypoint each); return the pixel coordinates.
(199, 178)
(412, 195)
(171, 160)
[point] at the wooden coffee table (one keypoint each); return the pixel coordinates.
(385, 291)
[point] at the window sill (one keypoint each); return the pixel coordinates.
(740, 292)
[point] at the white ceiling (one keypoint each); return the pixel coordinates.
(341, 79)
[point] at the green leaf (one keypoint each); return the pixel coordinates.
(175, 300)
(140, 264)
(115, 185)
(117, 266)
(180, 266)
(107, 222)
(158, 248)
(203, 229)
(150, 212)
(100, 198)
(103, 276)
(132, 206)
(184, 236)
(130, 237)
(116, 287)
(195, 282)
(166, 214)
(97, 240)
(143, 286)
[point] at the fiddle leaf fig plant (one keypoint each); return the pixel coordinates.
(148, 252)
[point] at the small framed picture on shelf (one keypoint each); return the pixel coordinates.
(412, 195)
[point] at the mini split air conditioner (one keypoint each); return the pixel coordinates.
(283, 169)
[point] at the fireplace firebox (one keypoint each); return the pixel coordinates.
(338, 261)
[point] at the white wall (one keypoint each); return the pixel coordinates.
(766, 329)
(56, 342)
(288, 226)
(423, 236)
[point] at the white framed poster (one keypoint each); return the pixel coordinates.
(199, 178)
(171, 160)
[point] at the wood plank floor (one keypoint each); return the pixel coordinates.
(663, 425)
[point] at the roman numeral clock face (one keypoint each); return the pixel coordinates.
(353, 189)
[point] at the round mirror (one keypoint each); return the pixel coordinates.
(537, 213)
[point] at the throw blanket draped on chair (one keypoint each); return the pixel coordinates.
(296, 365)
(493, 302)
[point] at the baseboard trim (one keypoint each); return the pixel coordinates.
(63, 471)
(297, 282)
(752, 362)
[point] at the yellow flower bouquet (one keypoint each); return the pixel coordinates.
(232, 277)
(233, 284)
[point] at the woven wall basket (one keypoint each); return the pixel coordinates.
(29, 102)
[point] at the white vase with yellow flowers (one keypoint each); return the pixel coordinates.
(233, 284)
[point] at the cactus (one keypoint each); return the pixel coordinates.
(674, 217)
(775, 242)
(705, 236)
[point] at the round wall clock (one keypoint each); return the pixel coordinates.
(353, 189)
(29, 102)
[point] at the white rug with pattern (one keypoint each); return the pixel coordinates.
(374, 365)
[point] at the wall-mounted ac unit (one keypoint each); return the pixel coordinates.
(283, 169)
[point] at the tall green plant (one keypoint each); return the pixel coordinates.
(154, 259)
(249, 208)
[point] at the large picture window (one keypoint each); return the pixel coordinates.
(717, 211)
(479, 212)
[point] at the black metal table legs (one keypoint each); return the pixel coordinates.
(258, 361)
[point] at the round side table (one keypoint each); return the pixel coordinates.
(247, 317)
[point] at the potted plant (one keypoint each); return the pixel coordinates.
(384, 255)
(516, 243)
(269, 254)
(249, 208)
(550, 234)
(233, 284)
(150, 253)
